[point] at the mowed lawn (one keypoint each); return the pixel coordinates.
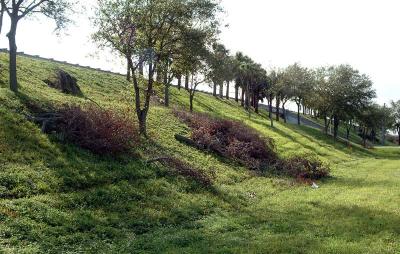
(355, 212)
(57, 198)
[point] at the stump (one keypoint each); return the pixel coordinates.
(64, 82)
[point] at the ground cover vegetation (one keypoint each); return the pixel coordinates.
(132, 164)
(59, 197)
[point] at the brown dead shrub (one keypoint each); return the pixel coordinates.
(304, 167)
(99, 130)
(240, 143)
(231, 140)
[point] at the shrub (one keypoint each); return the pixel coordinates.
(304, 167)
(98, 130)
(231, 140)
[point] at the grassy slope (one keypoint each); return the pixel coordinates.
(56, 197)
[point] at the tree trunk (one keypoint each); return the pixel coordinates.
(166, 95)
(159, 76)
(1, 18)
(383, 133)
(270, 106)
(270, 111)
(271, 119)
(335, 127)
(128, 72)
(191, 96)
(166, 88)
(13, 55)
(278, 102)
(221, 90)
(326, 124)
(373, 136)
(284, 113)
(214, 89)
(142, 116)
(236, 93)
(399, 138)
(187, 81)
(242, 99)
(247, 98)
(256, 106)
(141, 67)
(179, 82)
(298, 113)
(142, 113)
(364, 137)
(227, 90)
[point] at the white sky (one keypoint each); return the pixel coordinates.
(275, 33)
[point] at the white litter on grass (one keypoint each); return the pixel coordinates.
(314, 186)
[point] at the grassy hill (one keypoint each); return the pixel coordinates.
(58, 198)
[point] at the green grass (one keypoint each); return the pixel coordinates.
(57, 198)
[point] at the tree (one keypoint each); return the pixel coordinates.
(218, 62)
(249, 77)
(387, 121)
(300, 81)
(284, 90)
(370, 120)
(195, 58)
(2, 10)
(396, 116)
(18, 10)
(340, 92)
(320, 100)
(258, 84)
(241, 74)
(229, 73)
(272, 81)
(199, 76)
(351, 92)
(156, 27)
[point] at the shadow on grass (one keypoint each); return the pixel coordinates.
(314, 228)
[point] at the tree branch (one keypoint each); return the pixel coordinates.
(30, 8)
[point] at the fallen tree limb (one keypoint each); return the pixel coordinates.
(184, 169)
(192, 143)
(158, 159)
(186, 141)
(47, 121)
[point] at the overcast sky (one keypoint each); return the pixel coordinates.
(275, 33)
